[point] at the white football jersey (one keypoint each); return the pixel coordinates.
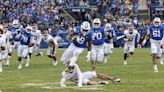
(131, 37)
(2, 40)
(73, 75)
(37, 36)
(47, 39)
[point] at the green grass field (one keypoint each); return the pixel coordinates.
(41, 76)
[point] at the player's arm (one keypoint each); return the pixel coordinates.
(125, 38)
(31, 42)
(52, 43)
(89, 45)
(79, 74)
(63, 79)
(39, 39)
(147, 36)
(138, 37)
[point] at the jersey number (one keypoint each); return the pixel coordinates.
(24, 39)
(80, 40)
(156, 33)
(97, 36)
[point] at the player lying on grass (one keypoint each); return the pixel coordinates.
(74, 74)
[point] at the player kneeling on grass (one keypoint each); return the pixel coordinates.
(73, 73)
(2, 46)
(52, 45)
(26, 42)
(129, 45)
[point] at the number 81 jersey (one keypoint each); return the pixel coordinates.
(156, 33)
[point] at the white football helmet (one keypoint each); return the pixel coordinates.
(96, 23)
(85, 27)
(28, 29)
(107, 26)
(157, 22)
(15, 23)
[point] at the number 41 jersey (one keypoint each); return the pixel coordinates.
(156, 33)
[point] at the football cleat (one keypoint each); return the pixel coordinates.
(116, 80)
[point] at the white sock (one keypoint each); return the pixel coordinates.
(0, 66)
(155, 66)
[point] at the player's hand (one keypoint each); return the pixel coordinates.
(79, 85)
(88, 57)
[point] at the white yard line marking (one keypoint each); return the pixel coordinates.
(55, 85)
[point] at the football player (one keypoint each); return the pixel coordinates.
(108, 42)
(2, 46)
(26, 42)
(129, 45)
(80, 38)
(37, 37)
(155, 32)
(74, 74)
(52, 45)
(97, 51)
(14, 35)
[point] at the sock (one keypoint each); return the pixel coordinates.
(155, 66)
(125, 56)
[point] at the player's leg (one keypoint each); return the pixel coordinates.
(154, 50)
(76, 55)
(10, 49)
(126, 49)
(100, 54)
(51, 55)
(162, 58)
(67, 54)
(106, 77)
(30, 51)
(37, 51)
(1, 62)
(20, 50)
(25, 55)
(131, 49)
(93, 57)
(105, 52)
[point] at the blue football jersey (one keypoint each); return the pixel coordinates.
(98, 36)
(25, 38)
(81, 39)
(111, 33)
(16, 33)
(156, 33)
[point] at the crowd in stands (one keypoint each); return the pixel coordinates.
(117, 12)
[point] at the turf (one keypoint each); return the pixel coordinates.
(41, 76)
